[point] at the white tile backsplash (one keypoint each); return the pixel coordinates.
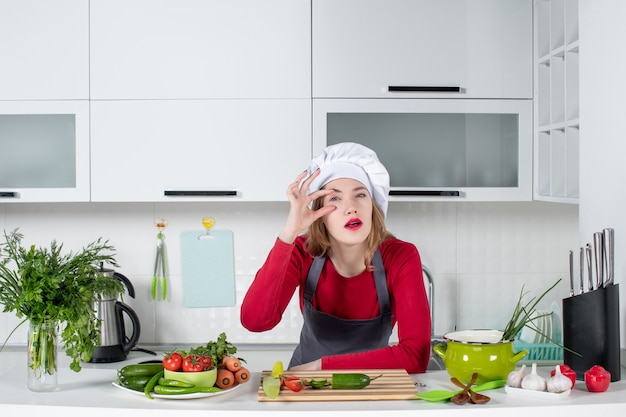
(480, 255)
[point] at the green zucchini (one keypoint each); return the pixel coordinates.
(351, 381)
(140, 369)
(169, 390)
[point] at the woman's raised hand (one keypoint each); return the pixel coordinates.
(300, 215)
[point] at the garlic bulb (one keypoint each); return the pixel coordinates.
(534, 381)
(559, 382)
(514, 380)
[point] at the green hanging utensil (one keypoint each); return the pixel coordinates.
(160, 263)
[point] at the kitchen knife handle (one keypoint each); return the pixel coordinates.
(424, 88)
(582, 271)
(599, 258)
(571, 273)
(589, 268)
(609, 253)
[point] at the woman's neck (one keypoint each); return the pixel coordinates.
(349, 261)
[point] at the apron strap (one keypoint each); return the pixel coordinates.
(380, 280)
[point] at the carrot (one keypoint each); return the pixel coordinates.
(242, 375)
(225, 378)
(231, 363)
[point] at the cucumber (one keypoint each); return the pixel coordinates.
(351, 381)
(140, 369)
(126, 381)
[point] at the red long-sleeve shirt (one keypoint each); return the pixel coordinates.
(286, 268)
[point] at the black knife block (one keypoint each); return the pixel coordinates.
(591, 328)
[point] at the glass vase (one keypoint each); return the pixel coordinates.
(42, 356)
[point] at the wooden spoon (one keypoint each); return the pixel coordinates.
(463, 396)
(474, 396)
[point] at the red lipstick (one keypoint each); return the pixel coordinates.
(353, 224)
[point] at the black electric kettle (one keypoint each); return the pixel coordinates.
(114, 345)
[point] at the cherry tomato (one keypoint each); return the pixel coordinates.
(192, 364)
(294, 384)
(173, 361)
(568, 372)
(205, 361)
(597, 379)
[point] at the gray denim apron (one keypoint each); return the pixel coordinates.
(324, 334)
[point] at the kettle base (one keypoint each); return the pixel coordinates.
(108, 354)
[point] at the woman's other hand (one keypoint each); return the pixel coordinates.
(300, 215)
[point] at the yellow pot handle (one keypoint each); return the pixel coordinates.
(519, 355)
(440, 350)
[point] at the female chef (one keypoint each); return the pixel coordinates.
(356, 281)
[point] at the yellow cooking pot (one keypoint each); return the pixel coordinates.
(478, 351)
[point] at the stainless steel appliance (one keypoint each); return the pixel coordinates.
(114, 343)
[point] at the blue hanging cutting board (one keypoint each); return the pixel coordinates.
(208, 268)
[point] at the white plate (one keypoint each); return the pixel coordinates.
(181, 396)
(542, 395)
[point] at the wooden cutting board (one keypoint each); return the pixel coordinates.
(394, 384)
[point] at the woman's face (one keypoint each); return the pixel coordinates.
(351, 222)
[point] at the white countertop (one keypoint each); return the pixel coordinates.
(90, 393)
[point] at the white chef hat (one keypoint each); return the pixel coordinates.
(352, 160)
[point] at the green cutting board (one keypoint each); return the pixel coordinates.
(208, 268)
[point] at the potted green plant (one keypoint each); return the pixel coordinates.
(55, 292)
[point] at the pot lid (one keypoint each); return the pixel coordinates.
(475, 336)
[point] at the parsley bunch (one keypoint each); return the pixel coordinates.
(45, 286)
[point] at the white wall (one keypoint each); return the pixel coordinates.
(480, 254)
(602, 139)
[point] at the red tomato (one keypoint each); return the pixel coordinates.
(205, 361)
(173, 361)
(192, 364)
(294, 384)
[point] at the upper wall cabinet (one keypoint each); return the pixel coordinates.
(44, 151)
(422, 48)
(44, 49)
(197, 150)
(191, 49)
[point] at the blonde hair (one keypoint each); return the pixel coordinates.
(318, 240)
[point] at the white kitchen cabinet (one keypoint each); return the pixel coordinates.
(425, 48)
(44, 151)
(556, 101)
(198, 150)
(438, 150)
(44, 48)
(195, 49)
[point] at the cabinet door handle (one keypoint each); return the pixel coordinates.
(425, 88)
(425, 193)
(8, 194)
(199, 193)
